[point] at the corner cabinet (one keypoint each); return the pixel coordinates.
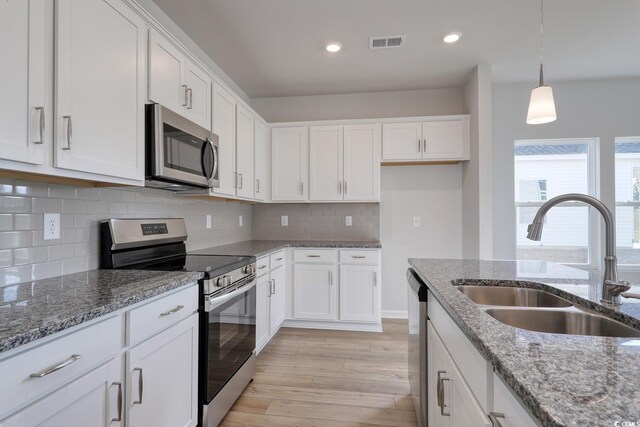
(224, 125)
(261, 161)
(244, 152)
(22, 80)
(289, 163)
(436, 140)
(100, 88)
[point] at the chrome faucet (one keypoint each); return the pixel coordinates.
(612, 287)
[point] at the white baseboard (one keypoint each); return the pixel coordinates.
(395, 314)
(337, 326)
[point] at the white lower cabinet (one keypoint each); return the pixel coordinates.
(162, 377)
(506, 408)
(315, 291)
(359, 294)
(270, 298)
(95, 399)
(263, 305)
(277, 300)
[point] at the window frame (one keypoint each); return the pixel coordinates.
(593, 185)
(616, 140)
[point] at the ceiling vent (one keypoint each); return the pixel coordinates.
(386, 42)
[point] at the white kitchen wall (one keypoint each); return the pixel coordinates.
(24, 255)
(604, 109)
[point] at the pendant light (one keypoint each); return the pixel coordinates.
(542, 108)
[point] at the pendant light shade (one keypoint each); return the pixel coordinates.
(542, 108)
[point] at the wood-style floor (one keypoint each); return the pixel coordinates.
(316, 378)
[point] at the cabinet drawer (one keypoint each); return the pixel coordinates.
(30, 375)
(262, 265)
(145, 321)
(277, 259)
(359, 257)
(315, 255)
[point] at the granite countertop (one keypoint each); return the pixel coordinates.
(564, 380)
(33, 310)
(259, 248)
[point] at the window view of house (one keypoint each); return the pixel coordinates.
(544, 169)
(628, 200)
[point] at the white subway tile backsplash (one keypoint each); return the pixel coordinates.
(42, 205)
(61, 252)
(14, 239)
(75, 265)
(46, 269)
(6, 259)
(30, 188)
(62, 192)
(28, 221)
(10, 204)
(31, 255)
(6, 222)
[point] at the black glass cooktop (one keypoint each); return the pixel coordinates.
(210, 265)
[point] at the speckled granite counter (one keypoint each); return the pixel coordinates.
(565, 380)
(33, 310)
(259, 248)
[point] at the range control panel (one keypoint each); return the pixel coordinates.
(153, 229)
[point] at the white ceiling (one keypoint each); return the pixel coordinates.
(276, 47)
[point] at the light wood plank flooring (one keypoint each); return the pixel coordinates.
(316, 378)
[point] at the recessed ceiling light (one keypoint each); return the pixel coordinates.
(452, 37)
(333, 47)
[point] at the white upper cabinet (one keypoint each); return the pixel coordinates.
(289, 163)
(224, 125)
(431, 140)
(177, 83)
(100, 88)
(244, 152)
(261, 161)
(22, 81)
(361, 163)
(325, 163)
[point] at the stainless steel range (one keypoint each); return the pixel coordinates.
(227, 303)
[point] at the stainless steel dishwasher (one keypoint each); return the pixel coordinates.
(418, 316)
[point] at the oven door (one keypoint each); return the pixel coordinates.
(228, 336)
(181, 151)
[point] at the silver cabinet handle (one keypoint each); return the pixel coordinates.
(184, 90)
(174, 310)
(339, 187)
(313, 256)
(278, 259)
(257, 185)
(140, 387)
(330, 277)
(119, 417)
(424, 150)
(262, 267)
(302, 188)
(419, 145)
(375, 278)
(358, 256)
(493, 417)
(69, 132)
(42, 125)
(270, 288)
(440, 392)
(190, 93)
(240, 186)
(53, 368)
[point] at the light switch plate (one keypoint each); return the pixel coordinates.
(240, 220)
(348, 221)
(416, 221)
(51, 226)
(208, 221)
(284, 220)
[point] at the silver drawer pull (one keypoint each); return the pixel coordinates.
(69, 132)
(140, 387)
(57, 367)
(313, 256)
(493, 417)
(170, 312)
(119, 417)
(358, 256)
(261, 267)
(278, 259)
(42, 125)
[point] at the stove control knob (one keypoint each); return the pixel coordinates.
(248, 269)
(221, 282)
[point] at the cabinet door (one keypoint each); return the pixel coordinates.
(198, 108)
(362, 162)
(244, 152)
(325, 163)
(261, 161)
(359, 293)
(277, 311)
(442, 140)
(289, 163)
(402, 141)
(505, 403)
(94, 399)
(263, 301)
(166, 73)
(22, 80)
(315, 291)
(224, 125)
(439, 403)
(162, 375)
(100, 87)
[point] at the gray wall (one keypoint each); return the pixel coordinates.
(605, 109)
(317, 221)
(427, 102)
(24, 255)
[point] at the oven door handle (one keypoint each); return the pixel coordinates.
(212, 302)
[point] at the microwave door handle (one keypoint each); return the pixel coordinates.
(207, 155)
(214, 168)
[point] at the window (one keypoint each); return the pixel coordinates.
(628, 200)
(547, 168)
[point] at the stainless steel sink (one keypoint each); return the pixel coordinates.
(562, 322)
(513, 297)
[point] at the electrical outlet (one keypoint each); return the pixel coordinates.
(51, 226)
(416, 221)
(284, 220)
(349, 221)
(208, 221)
(240, 220)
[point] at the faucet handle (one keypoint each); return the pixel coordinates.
(617, 288)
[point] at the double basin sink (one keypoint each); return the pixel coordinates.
(541, 311)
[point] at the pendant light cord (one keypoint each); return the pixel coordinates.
(541, 41)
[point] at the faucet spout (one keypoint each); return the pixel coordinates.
(610, 282)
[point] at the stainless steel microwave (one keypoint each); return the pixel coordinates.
(180, 155)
